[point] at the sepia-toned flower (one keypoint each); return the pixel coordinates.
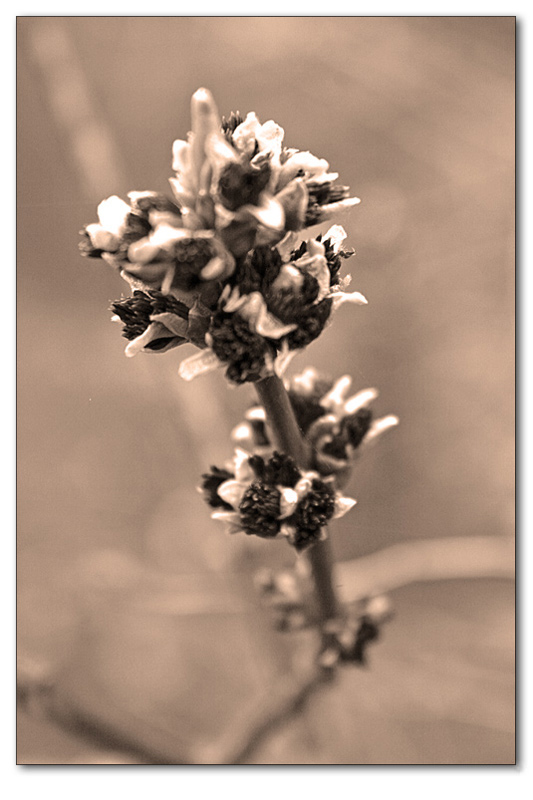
(272, 498)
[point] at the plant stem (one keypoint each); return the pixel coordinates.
(451, 558)
(288, 438)
(287, 435)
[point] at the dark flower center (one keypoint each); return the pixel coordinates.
(353, 430)
(135, 311)
(230, 124)
(259, 510)
(241, 184)
(211, 481)
(280, 469)
(311, 323)
(321, 194)
(190, 256)
(233, 341)
(288, 304)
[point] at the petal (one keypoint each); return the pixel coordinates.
(288, 501)
(175, 324)
(198, 364)
(241, 465)
(256, 413)
(330, 464)
(113, 214)
(323, 177)
(378, 607)
(226, 516)
(315, 248)
(283, 359)
(360, 400)
(101, 238)
(165, 236)
(254, 310)
(302, 487)
(343, 505)
(232, 492)
(183, 194)
(154, 331)
(268, 212)
(205, 121)
(331, 209)
(287, 530)
(233, 301)
(243, 434)
(214, 269)
(168, 280)
(298, 161)
(266, 324)
(380, 426)
(231, 519)
(348, 297)
(323, 429)
(143, 251)
(287, 245)
(336, 397)
(336, 234)
(180, 155)
(294, 199)
(244, 134)
(317, 266)
(219, 152)
(305, 382)
(269, 137)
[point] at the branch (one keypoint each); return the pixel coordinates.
(425, 560)
(108, 726)
(395, 566)
(277, 706)
(289, 439)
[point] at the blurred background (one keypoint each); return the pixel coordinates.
(126, 588)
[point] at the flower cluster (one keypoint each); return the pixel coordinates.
(289, 595)
(336, 424)
(273, 498)
(277, 302)
(220, 264)
(351, 634)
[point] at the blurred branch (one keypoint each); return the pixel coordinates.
(395, 566)
(109, 726)
(277, 706)
(425, 560)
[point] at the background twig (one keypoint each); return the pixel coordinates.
(425, 560)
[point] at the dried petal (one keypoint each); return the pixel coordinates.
(232, 492)
(343, 505)
(198, 364)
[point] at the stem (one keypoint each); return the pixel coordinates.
(276, 707)
(109, 727)
(287, 435)
(400, 564)
(289, 439)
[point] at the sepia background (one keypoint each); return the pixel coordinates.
(126, 588)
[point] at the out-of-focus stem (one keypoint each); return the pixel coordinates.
(272, 710)
(289, 439)
(114, 728)
(450, 558)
